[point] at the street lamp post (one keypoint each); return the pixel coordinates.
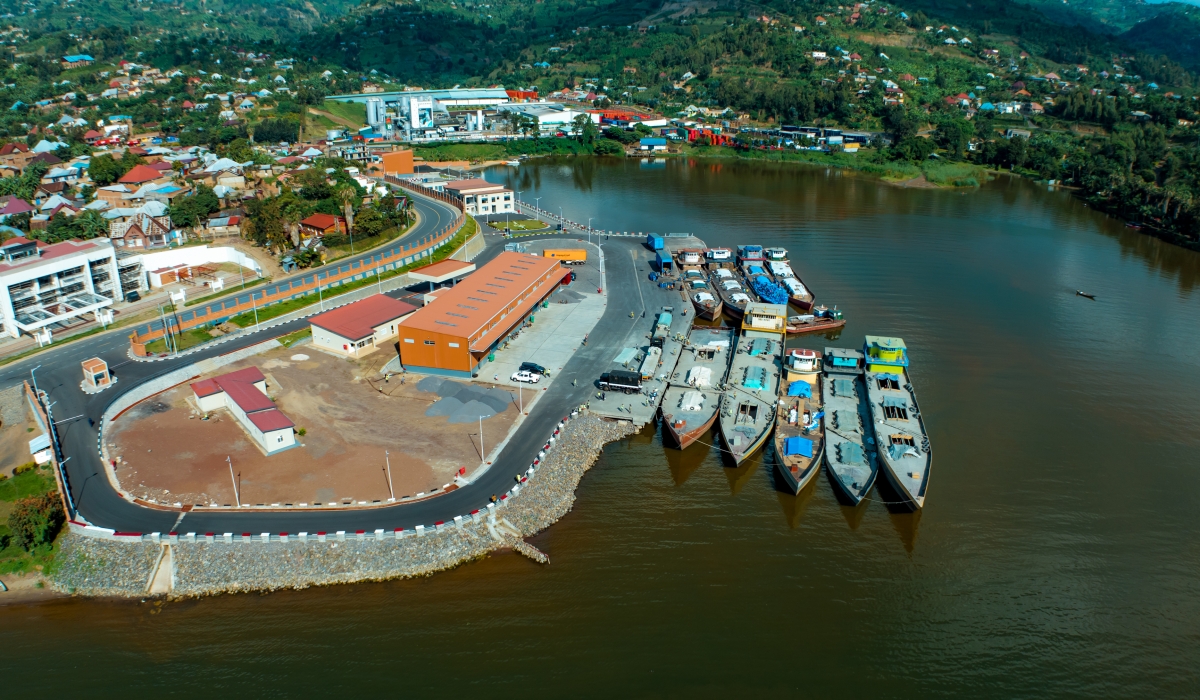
(535, 203)
(33, 376)
(236, 496)
(589, 231)
(389, 473)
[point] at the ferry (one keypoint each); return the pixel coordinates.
(748, 405)
(799, 435)
(693, 394)
(851, 456)
(903, 440)
(728, 286)
(798, 294)
(822, 318)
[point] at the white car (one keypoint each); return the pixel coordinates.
(527, 377)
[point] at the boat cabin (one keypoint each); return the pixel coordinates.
(718, 254)
(771, 318)
(689, 257)
(801, 361)
(885, 354)
(778, 254)
(843, 360)
(749, 253)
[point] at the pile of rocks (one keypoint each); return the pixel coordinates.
(549, 495)
(96, 567)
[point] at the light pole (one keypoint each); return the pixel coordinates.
(33, 376)
(589, 231)
(320, 297)
(389, 473)
(535, 203)
(481, 451)
(236, 496)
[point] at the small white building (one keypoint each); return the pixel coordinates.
(357, 329)
(481, 197)
(244, 394)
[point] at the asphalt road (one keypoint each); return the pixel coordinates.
(58, 374)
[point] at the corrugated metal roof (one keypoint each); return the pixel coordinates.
(360, 319)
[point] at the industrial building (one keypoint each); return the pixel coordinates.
(360, 328)
(457, 331)
(421, 114)
(244, 394)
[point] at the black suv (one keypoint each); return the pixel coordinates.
(533, 367)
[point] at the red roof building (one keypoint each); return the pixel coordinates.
(323, 224)
(244, 394)
(140, 175)
(359, 328)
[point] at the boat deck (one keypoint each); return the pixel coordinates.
(749, 403)
(900, 431)
(691, 399)
(850, 453)
(799, 469)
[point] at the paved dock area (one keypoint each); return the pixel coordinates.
(558, 328)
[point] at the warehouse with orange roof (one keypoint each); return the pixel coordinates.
(457, 331)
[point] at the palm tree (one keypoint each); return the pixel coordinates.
(346, 194)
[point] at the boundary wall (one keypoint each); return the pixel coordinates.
(393, 256)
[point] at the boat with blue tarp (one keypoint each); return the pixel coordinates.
(904, 448)
(799, 432)
(851, 458)
(747, 412)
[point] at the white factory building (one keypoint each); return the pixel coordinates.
(46, 287)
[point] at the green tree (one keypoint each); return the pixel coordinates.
(369, 222)
(36, 520)
(104, 170)
(608, 147)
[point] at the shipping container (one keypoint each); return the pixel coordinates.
(567, 256)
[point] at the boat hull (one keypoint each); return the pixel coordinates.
(682, 439)
(842, 492)
(797, 482)
(709, 312)
(818, 326)
(903, 500)
(738, 457)
(802, 303)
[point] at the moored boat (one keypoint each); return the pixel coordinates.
(822, 319)
(749, 255)
(904, 449)
(693, 394)
(799, 295)
(799, 435)
(775, 254)
(851, 458)
(748, 405)
(729, 288)
(708, 305)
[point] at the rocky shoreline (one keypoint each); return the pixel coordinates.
(95, 567)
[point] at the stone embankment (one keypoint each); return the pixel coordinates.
(90, 566)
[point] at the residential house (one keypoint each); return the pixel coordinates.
(78, 60)
(322, 225)
(15, 155)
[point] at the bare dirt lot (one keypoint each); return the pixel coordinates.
(169, 454)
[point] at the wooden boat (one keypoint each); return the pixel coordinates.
(693, 394)
(799, 435)
(851, 459)
(734, 297)
(748, 405)
(799, 295)
(692, 276)
(823, 319)
(1085, 295)
(708, 306)
(904, 449)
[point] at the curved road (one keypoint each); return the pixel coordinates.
(97, 502)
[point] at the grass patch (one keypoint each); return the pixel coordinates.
(187, 339)
(523, 225)
(291, 339)
(893, 170)
(226, 292)
(355, 112)
(247, 319)
(29, 483)
(337, 252)
(954, 174)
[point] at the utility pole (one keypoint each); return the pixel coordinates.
(236, 496)
(481, 438)
(320, 298)
(36, 394)
(389, 473)
(255, 305)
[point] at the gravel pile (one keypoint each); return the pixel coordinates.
(88, 566)
(98, 567)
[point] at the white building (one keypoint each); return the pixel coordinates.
(360, 328)
(244, 394)
(481, 197)
(45, 287)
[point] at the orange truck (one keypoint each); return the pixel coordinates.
(566, 256)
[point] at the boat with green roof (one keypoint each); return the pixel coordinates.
(851, 459)
(903, 439)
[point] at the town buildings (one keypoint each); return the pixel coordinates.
(481, 197)
(244, 394)
(47, 286)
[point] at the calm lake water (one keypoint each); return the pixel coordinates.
(1058, 555)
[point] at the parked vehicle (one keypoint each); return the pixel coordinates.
(621, 380)
(533, 367)
(526, 377)
(132, 297)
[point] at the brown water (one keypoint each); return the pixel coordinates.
(1058, 555)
